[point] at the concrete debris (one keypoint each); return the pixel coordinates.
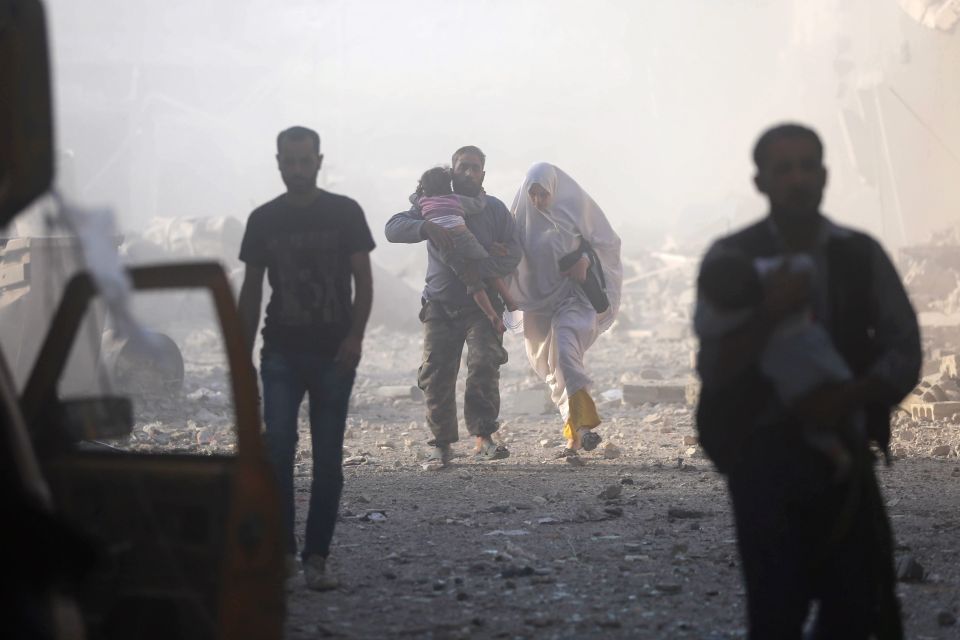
(374, 516)
(400, 392)
(611, 492)
(508, 532)
(933, 14)
(610, 451)
(612, 395)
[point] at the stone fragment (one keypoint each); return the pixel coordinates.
(946, 619)
(374, 516)
(611, 451)
(941, 451)
(611, 492)
(399, 392)
(514, 571)
(690, 441)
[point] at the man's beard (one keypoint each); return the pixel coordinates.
(465, 187)
(299, 185)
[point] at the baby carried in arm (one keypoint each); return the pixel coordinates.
(439, 205)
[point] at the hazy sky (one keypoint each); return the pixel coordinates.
(171, 108)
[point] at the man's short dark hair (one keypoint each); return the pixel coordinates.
(469, 149)
(299, 133)
(787, 130)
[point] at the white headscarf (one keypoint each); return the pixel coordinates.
(546, 236)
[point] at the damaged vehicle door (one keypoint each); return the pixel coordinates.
(189, 544)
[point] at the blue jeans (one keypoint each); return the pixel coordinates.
(287, 377)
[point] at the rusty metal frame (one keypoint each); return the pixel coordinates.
(251, 579)
(41, 387)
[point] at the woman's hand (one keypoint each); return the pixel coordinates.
(579, 269)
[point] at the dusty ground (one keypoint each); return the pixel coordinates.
(638, 545)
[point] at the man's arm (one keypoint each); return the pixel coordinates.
(409, 227)
(251, 296)
(506, 251)
(897, 333)
(351, 348)
(404, 227)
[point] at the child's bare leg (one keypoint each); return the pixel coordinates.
(505, 294)
(483, 301)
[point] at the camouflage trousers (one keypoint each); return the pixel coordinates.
(445, 331)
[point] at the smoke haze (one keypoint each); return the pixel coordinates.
(171, 109)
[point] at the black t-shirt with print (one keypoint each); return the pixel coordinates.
(306, 251)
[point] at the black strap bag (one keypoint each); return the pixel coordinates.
(595, 286)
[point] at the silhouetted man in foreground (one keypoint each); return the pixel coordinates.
(811, 524)
(314, 247)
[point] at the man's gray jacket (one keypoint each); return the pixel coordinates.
(493, 225)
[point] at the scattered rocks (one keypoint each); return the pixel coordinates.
(611, 451)
(513, 571)
(611, 492)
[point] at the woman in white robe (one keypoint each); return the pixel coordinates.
(554, 216)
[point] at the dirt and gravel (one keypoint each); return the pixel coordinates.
(635, 543)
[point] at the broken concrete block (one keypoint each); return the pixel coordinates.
(934, 410)
(639, 394)
(948, 366)
(941, 451)
(399, 392)
(611, 451)
(532, 401)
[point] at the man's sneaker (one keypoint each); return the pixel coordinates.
(438, 458)
(315, 574)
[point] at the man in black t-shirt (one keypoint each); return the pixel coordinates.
(313, 246)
